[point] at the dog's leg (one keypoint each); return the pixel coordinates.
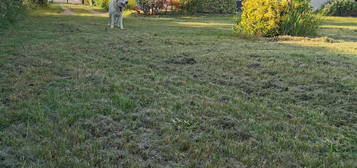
(121, 21)
(113, 21)
(118, 21)
(110, 19)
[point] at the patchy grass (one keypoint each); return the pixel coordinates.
(176, 92)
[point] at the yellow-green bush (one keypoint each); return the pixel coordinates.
(131, 4)
(261, 17)
(276, 17)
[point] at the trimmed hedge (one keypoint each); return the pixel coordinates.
(208, 6)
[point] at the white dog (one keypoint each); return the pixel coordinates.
(116, 11)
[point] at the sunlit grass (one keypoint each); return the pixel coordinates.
(82, 10)
(339, 27)
(55, 10)
(336, 47)
(203, 24)
(341, 20)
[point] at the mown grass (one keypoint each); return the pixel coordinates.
(174, 92)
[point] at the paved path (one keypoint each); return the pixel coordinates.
(67, 11)
(69, 1)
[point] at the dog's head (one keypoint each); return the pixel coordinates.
(122, 3)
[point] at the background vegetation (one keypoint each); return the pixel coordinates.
(152, 6)
(11, 11)
(14, 10)
(40, 3)
(340, 8)
(208, 6)
(105, 3)
(186, 6)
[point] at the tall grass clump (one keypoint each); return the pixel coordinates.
(276, 17)
(340, 8)
(298, 20)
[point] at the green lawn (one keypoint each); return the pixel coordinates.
(174, 92)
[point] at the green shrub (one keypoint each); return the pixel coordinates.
(208, 6)
(276, 17)
(10, 11)
(340, 8)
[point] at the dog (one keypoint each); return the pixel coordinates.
(116, 11)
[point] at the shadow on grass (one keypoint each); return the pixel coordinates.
(340, 28)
